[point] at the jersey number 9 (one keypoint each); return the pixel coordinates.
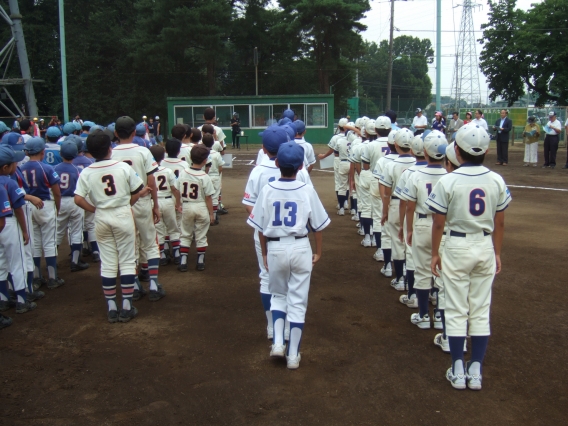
(64, 181)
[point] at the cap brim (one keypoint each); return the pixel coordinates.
(19, 156)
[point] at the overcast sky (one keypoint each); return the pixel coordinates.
(418, 18)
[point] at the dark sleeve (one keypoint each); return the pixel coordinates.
(508, 124)
(140, 188)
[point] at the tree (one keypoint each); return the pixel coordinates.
(526, 48)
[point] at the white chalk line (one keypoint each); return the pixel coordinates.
(538, 187)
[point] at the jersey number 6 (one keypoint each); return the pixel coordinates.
(289, 220)
(476, 202)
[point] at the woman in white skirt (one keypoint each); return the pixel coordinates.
(531, 136)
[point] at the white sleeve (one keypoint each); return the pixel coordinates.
(251, 189)
(310, 155)
(438, 199)
(256, 217)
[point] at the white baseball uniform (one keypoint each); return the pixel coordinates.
(470, 198)
(215, 161)
(372, 153)
(342, 175)
(362, 181)
(12, 255)
(71, 216)
(380, 166)
(309, 155)
(168, 226)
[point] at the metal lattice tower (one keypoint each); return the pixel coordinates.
(465, 87)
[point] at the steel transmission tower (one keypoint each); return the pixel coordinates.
(465, 87)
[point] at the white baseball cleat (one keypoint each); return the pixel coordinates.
(353, 212)
(293, 362)
(361, 231)
(442, 343)
(379, 256)
(355, 217)
(457, 380)
(366, 241)
(278, 350)
(338, 206)
(473, 377)
(373, 242)
(398, 285)
(411, 302)
(423, 323)
(386, 270)
(358, 224)
(345, 204)
(438, 325)
(341, 212)
(269, 333)
(433, 299)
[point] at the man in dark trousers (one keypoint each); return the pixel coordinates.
(503, 126)
(236, 128)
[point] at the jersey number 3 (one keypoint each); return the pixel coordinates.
(110, 188)
(476, 202)
(290, 219)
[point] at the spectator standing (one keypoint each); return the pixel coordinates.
(566, 134)
(439, 122)
(455, 123)
(468, 118)
(480, 121)
(552, 129)
(53, 121)
(42, 128)
(158, 127)
(503, 127)
(78, 120)
(16, 125)
(151, 129)
(531, 136)
(236, 127)
(420, 122)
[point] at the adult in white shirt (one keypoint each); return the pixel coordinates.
(552, 129)
(420, 122)
(566, 133)
(479, 120)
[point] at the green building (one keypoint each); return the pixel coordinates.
(256, 113)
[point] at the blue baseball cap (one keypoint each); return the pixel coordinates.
(76, 140)
(288, 114)
(69, 150)
(88, 124)
(9, 156)
(95, 127)
(111, 127)
(53, 132)
(69, 128)
(14, 140)
(3, 127)
(290, 130)
(290, 154)
(140, 129)
(34, 146)
(273, 137)
(77, 125)
(300, 126)
(284, 121)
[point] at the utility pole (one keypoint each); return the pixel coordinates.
(389, 77)
(357, 79)
(63, 61)
(18, 34)
(256, 68)
(438, 55)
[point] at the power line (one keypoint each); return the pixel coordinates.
(481, 31)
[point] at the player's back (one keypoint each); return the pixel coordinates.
(216, 161)
(68, 177)
(342, 147)
(82, 161)
(470, 197)
(52, 154)
(176, 165)
(185, 153)
(394, 170)
(357, 152)
(263, 173)
(139, 158)
(381, 164)
(108, 184)
(165, 179)
(195, 186)
(375, 150)
(309, 155)
(39, 177)
(419, 185)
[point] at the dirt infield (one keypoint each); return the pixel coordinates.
(200, 356)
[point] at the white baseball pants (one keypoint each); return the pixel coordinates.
(342, 177)
(263, 274)
(89, 223)
(144, 220)
(45, 230)
(167, 226)
(364, 206)
(194, 224)
(393, 226)
(422, 252)
(70, 219)
(12, 254)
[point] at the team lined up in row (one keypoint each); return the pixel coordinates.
(91, 197)
(430, 208)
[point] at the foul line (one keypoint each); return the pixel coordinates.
(538, 187)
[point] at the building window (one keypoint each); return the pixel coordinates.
(224, 114)
(244, 115)
(316, 115)
(262, 115)
(298, 111)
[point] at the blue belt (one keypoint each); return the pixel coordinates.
(344, 160)
(463, 235)
(394, 198)
(278, 238)
(422, 216)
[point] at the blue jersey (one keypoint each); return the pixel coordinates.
(40, 178)
(52, 154)
(15, 193)
(140, 142)
(68, 175)
(81, 162)
(18, 177)
(5, 206)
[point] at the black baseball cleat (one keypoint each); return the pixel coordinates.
(54, 283)
(144, 276)
(165, 261)
(22, 308)
(38, 282)
(79, 266)
(126, 316)
(222, 211)
(6, 304)
(96, 257)
(112, 316)
(200, 266)
(36, 295)
(5, 322)
(86, 251)
(156, 295)
(139, 293)
(177, 260)
(182, 267)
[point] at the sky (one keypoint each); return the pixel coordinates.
(418, 18)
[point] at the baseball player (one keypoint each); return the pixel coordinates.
(417, 183)
(43, 183)
(354, 136)
(146, 211)
(210, 119)
(14, 235)
(355, 169)
(169, 203)
(364, 202)
(309, 156)
(71, 216)
(472, 201)
(342, 146)
(214, 170)
(281, 215)
(389, 180)
(376, 148)
(52, 155)
(112, 187)
(196, 194)
(341, 199)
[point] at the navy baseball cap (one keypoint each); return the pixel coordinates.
(76, 140)
(283, 121)
(140, 129)
(3, 127)
(290, 154)
(14, 140)
(88, 124)
(300, 126)
(69, 150)
(288, 114)
(69, 128)
(53, 132)
(273, 137)
(290, 130)
(34, 145)
(9, 156)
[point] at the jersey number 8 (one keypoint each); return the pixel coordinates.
(476, 202)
